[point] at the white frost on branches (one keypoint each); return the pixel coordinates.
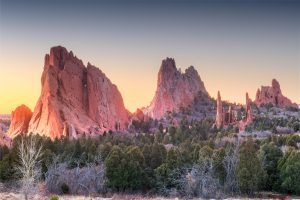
(29, 154)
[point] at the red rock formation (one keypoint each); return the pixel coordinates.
(219, 115)
(75, 99)
(272, 94)
(174, 89)
(225, 118)
(20, 118)
(249, 115)
(105, 103)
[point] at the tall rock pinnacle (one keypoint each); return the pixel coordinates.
(219, 115)
(249, 115)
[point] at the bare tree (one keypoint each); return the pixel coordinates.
(201, 181)
(29, 154)
(230, 164)
(80, 180)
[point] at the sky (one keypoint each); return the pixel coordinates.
(236, 46)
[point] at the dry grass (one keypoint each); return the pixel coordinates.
(17, 196)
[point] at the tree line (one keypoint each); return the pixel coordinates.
(190, 160)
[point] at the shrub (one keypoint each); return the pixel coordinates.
(64, 188)
(54, 197)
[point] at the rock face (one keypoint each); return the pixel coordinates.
(219, 115)
(174, 89)
(20, 118)
(272, 94)
(76, 99)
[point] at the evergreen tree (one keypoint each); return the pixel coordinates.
(114, 168)
(289, 168)
(249, 170)
(269, 154)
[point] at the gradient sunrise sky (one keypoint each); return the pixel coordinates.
(236, 46)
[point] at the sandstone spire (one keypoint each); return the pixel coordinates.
(219, 115)
(249, 116)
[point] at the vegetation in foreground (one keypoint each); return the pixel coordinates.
(190, 160)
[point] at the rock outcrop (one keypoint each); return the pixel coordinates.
(20, 118)
(272, 94)
(174, 89)
(76, 99)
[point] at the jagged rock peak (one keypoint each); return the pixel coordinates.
(174, 89)
(58, 57)
(20, 118)
(167, 64)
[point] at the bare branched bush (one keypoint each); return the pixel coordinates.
(29, 154)
(230, 163)
(89, 179)
(201, 182)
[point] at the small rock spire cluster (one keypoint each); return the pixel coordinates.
(225, 118)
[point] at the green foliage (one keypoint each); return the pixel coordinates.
(292, 141)
(269, 155)
(7, 172)
(249, 169)
(289, 166)
(292, 109)
(157, 162)
(54, 197)
(124, 170)
(114, 168)
(218, 157)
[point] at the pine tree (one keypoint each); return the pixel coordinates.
(249, 170)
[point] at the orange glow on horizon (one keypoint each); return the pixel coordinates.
(137, 88)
